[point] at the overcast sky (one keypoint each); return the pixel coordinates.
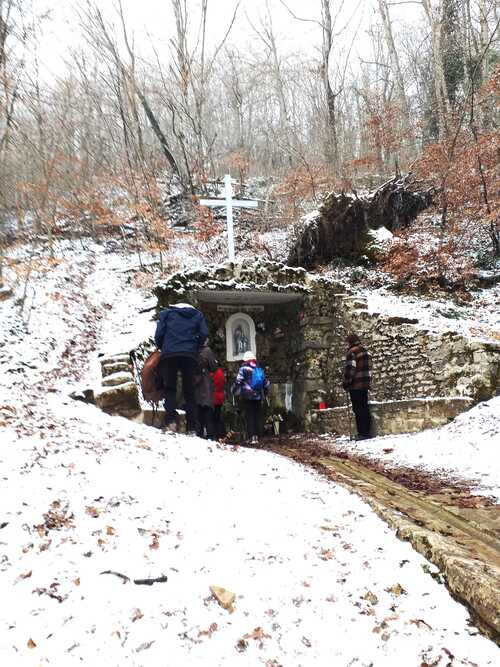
(154, 18)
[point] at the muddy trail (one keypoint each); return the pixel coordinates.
(455, 530)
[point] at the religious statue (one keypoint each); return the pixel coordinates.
(240, 342)
(240, 336)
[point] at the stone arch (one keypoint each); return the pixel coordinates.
(240, 336)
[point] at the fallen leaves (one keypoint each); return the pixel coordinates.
(257, 635)
(370, 597)
(396, 589)
(241, 645)
(137, 615)
(144, 646)
(30, 643)
(326, 554)
(56, 518)
(155, 542)
(92, 511)
(208, 633)
(51, 592)
(378, 631)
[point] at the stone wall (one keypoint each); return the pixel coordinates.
(391, 417)
(407, 361)
(302, 343)
(288, 335)
(277, 334)
(320, 344)
(118, 393)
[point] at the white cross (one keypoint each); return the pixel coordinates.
(229, 202)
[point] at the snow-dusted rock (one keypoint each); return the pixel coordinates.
(122, 399)
(121, 377)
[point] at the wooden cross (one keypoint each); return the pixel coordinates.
(228, 202)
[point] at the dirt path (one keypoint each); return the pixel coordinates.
(456, 531)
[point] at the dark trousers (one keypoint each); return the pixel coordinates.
(187, 367)
(253, 416)
(205, 422)
(219, 426)
(359, 400)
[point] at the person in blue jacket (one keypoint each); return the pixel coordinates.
(180, 333)
(251, 385)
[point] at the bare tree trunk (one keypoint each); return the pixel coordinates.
(96, 28)
(435, 18)
(331, 98)
(395, 63)
(268, 37)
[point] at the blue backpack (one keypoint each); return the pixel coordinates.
(257, 379)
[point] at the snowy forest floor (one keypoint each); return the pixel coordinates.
(318, 578)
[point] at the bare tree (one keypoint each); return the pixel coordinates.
(395, 60)
(100, 38)
(435, 17)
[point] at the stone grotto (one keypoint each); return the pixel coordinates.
(296, 323)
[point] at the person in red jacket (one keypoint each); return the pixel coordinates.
(218, 380)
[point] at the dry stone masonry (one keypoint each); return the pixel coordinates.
(300, 338)
(119, 393)
(299, 324)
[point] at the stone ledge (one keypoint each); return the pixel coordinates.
(117, 378)
(122, 399)
(473, 582)
(392, 417)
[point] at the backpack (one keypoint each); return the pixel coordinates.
(257, 379)
(151, 385)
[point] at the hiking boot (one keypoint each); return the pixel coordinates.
(170, 428)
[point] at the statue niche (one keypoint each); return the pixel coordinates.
(240, 336)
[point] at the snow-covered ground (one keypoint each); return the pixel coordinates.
(467, 449)
(480, 318)
(318, 578)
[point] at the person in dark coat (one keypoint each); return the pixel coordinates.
(180, 333)
(357, 379)
(251, 394)
(207, 365)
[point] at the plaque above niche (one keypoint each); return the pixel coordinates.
(240, 336)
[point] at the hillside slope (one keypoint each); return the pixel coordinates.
(89, 498)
